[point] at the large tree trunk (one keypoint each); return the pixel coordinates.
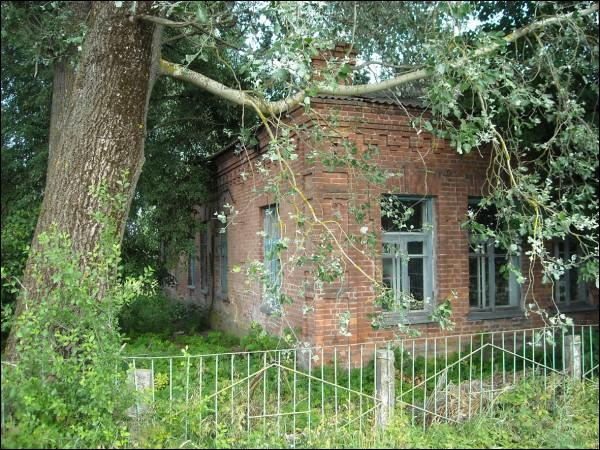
(103, 131)
(63, 83)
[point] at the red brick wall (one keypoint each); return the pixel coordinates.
(428, 167)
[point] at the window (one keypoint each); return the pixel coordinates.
(492, 287)
(407, 256)
(223, 259)
(568, 290)
(191, 277)
(271, 305)
(204, 259)
(271, 239)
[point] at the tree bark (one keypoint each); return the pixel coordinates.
(102, 133)
(62, 87)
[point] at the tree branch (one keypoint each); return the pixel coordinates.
(180, 36)
(273, 108)
(165, 22)
(190, 23)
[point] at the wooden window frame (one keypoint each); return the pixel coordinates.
(204, 274)
(269, 241)
(582, 298)
(223, 261)
(192, 269)
(486, 272)
(400, 279)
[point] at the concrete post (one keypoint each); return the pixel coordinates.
(573, 356)
(141, 379)
(385, 386)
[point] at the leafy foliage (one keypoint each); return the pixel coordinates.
(69, 346)
(160, 314)
(25, 118)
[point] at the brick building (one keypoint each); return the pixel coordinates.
(429, 177)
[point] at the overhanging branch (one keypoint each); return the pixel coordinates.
(273, 108)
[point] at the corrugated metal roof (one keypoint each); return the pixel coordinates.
(378, 97)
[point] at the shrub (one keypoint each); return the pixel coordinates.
(159, 314)
(66, 389)
(257, 339)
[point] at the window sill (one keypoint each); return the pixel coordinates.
(222, 297)
(395, 318)
(577, 307)
(498, 314)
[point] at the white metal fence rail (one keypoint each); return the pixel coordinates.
(291, 392)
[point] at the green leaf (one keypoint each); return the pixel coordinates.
(201, 13)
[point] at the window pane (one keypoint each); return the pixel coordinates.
(224, 264)
(191, 270)
(401, 215)
(271, 238)
(560, 250)
(388, 272)
(275, 266)
(560, 285)
(561, 289)
(573, 286)
(389, 248)
(501, 280)
(203, 259)
(475, 283)
(485, 216)
(414, 248)
(568, 289)
(415, 280)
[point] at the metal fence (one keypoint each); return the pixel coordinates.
(291, 392)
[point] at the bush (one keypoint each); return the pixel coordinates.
(258, 339)
(65, 389)
(161, 315)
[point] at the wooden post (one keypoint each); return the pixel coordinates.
(385, 386)
(573, 356)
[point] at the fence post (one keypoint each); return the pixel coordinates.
(384, 387)
(573, 356)
(141, 379)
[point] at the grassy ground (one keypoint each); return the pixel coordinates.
(523, 418)
(162, 344)
(555, 414)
